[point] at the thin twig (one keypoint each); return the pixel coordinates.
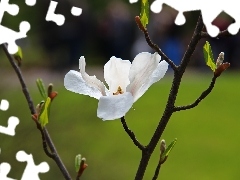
(45, 145)
(131, 134)
(198, 100)
(223, 33)
(157, 171)
(169, 109)
(157, 49)
(44, 132)
(20, 77)
(57, 158)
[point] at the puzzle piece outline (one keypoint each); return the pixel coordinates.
(7, 35)
(4, 105)
(10, 129)
(31, 170)
(12, 121)
(59, 19)
(43, 167)
(210, 10)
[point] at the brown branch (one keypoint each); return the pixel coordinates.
(169, 109)
(44, 142)
(198, 100)
(131, 134)
(21, 80)
(223, 33)
(158, 50)
(157, 171)
(44, 132)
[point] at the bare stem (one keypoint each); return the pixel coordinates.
(199, 99)
(157, 171)
(44, 132)
(131, 134)
(169, 109)
(223, 33)
(21, 80)
(157, 49)
(45, 145)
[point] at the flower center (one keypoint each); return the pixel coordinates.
(119, 91)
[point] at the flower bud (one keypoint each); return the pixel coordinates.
(50, 88)
(52, 95)
(78, 160)
(162, 146)
(39, 107)
(139, 23)
(220, 59)
(221, 68)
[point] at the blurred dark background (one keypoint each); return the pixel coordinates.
(107, 28)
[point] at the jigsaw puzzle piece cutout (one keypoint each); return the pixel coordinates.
(208, 18)
(30, 2)
(133, 1)
(232, 9)
(31, 171)
(9, 36)
(4, 170)
(59, 19)
(10, 130)
(12, 9)
(4, 105)
(12, 121)
(76, 11)
(209, 14)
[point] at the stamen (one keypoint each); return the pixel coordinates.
(119, 91)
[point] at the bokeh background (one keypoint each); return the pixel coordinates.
(208, 135)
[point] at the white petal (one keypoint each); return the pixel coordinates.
(114, 106)
(142, 68)
(91, 81)
(116, 73)
(157, 74)
(73, 81)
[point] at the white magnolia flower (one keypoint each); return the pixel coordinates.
(127, 83)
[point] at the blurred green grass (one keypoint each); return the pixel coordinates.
(208, 135)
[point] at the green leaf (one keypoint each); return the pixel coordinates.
(44, 114)
(169, 148)
(144, 15)
(18, 54)
(78, 160)
(41, 88)
(208, 56)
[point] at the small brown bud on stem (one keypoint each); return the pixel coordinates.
(139, 23)
(221, 68)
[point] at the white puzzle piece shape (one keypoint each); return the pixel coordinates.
(30, 2)
(4, 105)
(4, 170)
(59, 19)
(210, 10)
(10, 130)
(31, 171)
(7, 35)
(12, 121)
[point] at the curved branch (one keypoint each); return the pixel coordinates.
(157, 49)
(131, 134)
(198, 100)
(21, 80)
(45, 135)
